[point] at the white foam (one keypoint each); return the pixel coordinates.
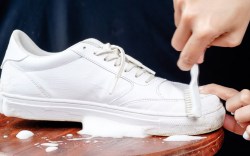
(50, 149)
(183, 138)
(69, 135)
(75, 139)
(50, 144)
(99, 127)
(55, 141)
(24, 134)
(88, 141)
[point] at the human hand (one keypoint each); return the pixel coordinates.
(204, 23)
(238, 103)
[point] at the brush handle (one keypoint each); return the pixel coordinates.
(195, 94)
(194, 75)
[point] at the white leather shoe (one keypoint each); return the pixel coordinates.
(95, 79)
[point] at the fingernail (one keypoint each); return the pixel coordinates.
(246, 136)
(232, 113)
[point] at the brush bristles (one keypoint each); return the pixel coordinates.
(188, 103)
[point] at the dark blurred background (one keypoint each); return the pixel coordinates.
(144, 29)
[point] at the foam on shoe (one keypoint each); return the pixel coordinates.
(100, 127)
(183, 138)
(24, 134)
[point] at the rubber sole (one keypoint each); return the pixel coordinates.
(70, 110)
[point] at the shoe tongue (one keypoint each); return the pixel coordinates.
(93, 42)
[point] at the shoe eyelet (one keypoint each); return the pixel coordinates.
(136, 76)
(94, 53)
(104, 59)
(84, 47)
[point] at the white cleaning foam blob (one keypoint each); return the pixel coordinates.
(50, 144)
(50, 149)
(100, 127)
(69, 135)
(183, 138)
(24, 134)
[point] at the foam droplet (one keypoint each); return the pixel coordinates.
(183, 138)
(50, 149)
(100, 127)
(24, 134)
(49, 144)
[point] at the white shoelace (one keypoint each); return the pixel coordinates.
(114, 52)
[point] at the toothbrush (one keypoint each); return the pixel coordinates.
(192, 95)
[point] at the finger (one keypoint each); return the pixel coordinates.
(177, 11)
(230, 39)
(242, 114)
(231, 125)
(246, 134)
(181, 36)
(201, 59)
(243, 124)
(240, 99)
(218, 90)
(227, 40)
(192, 51)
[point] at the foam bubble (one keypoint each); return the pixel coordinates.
(24, 134)
(100, 127)
(183, 138)
(50, 149)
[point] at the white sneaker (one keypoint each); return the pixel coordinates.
(95, 79)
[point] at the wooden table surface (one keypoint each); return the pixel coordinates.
(48, 131)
